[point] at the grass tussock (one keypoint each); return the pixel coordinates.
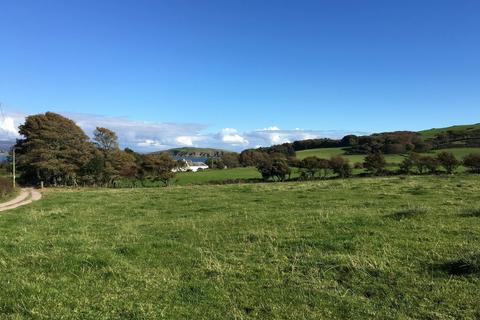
(410, 212)
(475, 213)
(466, 264)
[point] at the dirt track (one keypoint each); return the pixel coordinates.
(26, 196)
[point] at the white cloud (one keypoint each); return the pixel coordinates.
(148, 136)
(231, 136)
(190, 141)
(9, 122)
(148, 143)
(272, 128)
(275, 135)
(7, 125)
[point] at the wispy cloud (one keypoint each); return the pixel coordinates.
(275, 135)
(150, 136)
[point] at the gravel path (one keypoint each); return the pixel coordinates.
(26, 196)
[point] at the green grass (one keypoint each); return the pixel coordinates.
(384, 248)
(9, 196)
(326, 153)
(208, 176)
(459, 152)
(250, 173)
(431, 133)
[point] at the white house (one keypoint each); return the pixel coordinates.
(189, 165)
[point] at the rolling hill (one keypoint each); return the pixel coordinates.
(431, 133)
(194, 152)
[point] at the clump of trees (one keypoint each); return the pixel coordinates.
(472, 162)
(55, 151)
(310, 166)
(448, 161)
(375, 163)
(461, 137)
(274, 168)
(397, 142)
(340, 166)
(224, 161)
(423, 164)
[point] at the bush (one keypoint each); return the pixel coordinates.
(276, 168)
(424, 164)
(340, 166)
(312, 165)
(358, 165)
(6, 186)
(375, 163)
(448, 161)
(472, 162)
(407, 165)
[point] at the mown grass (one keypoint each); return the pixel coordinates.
(303, 250)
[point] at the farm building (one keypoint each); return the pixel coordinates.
(189, 165)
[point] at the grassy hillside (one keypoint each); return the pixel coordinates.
(210, 176)
(431, 133)
(385, 248)
(391, 158)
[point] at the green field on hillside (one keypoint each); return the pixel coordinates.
(249, 173)
(431, 133)
(326, 153)
(383, 248)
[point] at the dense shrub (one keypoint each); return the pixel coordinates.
(375, 163)
(310, 166)
(406, 165)
(6, 186)
(251, 158)
(472, 162)
(448, 161)
(340, 166)
(426, 164)
(274, 168)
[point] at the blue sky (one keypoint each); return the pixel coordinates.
(238, 74)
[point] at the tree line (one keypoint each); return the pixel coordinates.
(374, 164)
(397, 142)
(278, 165)
(55, 151)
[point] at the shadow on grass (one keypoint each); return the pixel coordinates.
(418, 191)
(475, 213)
(408, 213)
(464, 265)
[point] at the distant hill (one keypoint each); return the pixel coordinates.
(431, 133)
(194, 152)
(5, 146)
(397, 142)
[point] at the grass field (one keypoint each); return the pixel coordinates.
(249, 173)
(206, 176)
(384, 248)
(431, 133)
(326, 153)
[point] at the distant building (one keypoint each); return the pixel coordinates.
(188, 165)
